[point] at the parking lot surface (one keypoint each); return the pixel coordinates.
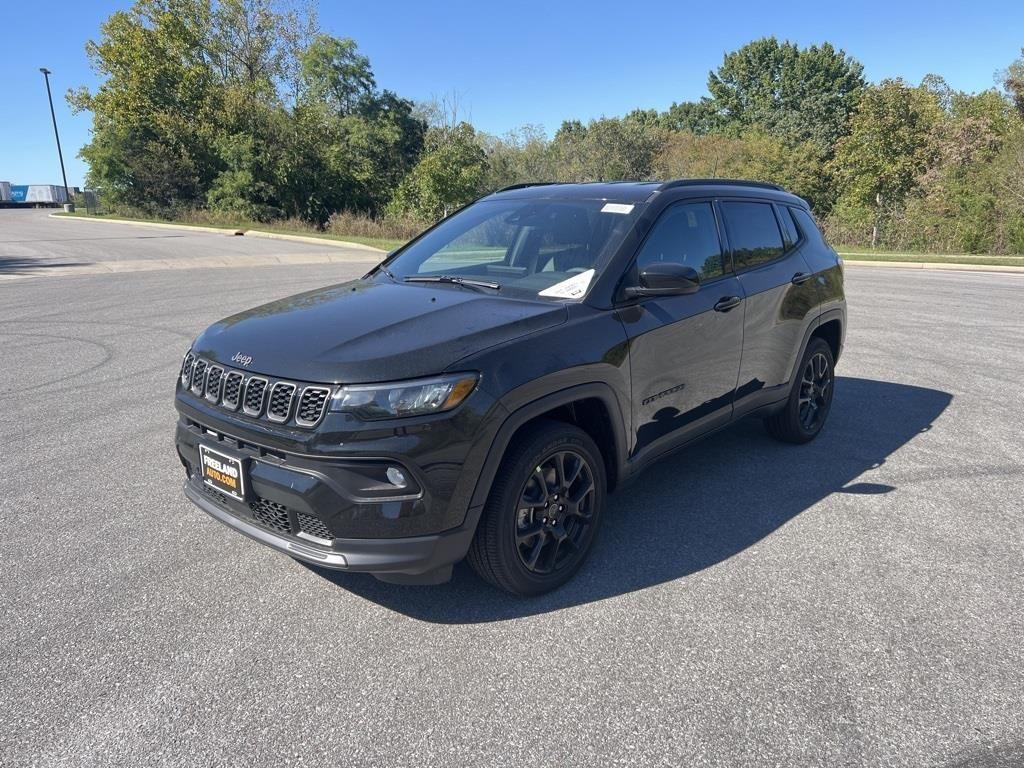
(35, 244)
(855, 601)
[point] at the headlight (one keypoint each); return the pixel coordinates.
(405, 398)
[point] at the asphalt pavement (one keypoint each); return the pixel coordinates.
(35, 244)
(858, 601)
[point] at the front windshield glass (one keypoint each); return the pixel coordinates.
(537, 248)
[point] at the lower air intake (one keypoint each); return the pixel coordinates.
(271, 515)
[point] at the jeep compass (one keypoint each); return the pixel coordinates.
(480, 392)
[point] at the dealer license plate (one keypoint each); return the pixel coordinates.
(222, 472)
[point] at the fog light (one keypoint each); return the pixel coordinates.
(396, 477)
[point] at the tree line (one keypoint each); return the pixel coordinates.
(247, 108)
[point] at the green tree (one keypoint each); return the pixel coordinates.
(336, 74)
(754, 155)
(248, 48)
(1013, 82)
(800, 94)
(153, 114)
(608, 149)
(521, 155)
(196, 109)
(449, 174)
(697, 117)
(963, 202)
(892, 142)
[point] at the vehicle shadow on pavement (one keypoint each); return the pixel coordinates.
(697, 507)
(14, 265)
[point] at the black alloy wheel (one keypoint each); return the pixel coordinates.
(815, 391)
(543, 511)
(810, 398)
(555, 512)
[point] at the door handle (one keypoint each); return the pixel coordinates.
(801, 277)
(726, 303)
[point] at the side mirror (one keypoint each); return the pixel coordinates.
(665, 279)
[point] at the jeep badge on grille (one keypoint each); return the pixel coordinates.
(243, 360)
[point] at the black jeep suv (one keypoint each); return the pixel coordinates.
(482, 390)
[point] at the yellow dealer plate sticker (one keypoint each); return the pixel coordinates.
(222, 472)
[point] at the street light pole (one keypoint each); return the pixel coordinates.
(60, 155)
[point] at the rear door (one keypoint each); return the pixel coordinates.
(684, 353)
(820, 257)
(781, 299)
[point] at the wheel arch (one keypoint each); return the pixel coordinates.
(591, 407)
(830, 326)
(831, 330)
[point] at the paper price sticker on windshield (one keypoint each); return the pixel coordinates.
(573, 288)
(617, 208)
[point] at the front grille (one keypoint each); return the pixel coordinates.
(257, 396)
(280, 407)
(232, 389)
(313, 526)
(186, 370)
(311, 405)
(213, 383)
(255, 389)
(199, 376)
(271, 515)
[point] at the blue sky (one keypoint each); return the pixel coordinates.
(525, 62)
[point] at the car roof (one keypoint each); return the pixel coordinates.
(641, 191)
(619, 191)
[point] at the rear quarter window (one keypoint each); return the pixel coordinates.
(818, 253)
(807, 226)
(789, 229)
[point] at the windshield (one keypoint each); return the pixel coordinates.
(537, 248)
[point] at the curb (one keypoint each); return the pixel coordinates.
(156, 224)
(906, 256)
(308, 239)
(935, 265)
(311, 240)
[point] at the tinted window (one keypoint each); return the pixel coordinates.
(807, 226)
(788, 227)
(753, 233)
(685, 234)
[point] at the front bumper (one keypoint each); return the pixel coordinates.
(326, 501)
(430, 556)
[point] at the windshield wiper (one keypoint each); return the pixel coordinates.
(467, 281)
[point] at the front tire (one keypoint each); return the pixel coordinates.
(810, 399)
(543, 511)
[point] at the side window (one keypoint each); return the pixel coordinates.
(753, 233)
(808, 227)
(788, 226)
(685, 234)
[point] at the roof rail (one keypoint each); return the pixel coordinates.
(719, 182)
(526, 184)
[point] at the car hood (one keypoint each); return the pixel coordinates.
(367, 331)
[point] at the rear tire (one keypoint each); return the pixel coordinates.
(810, 399)
(543, 511)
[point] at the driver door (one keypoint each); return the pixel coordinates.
(685, 350)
